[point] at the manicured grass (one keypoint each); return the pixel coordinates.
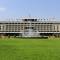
(29, 49)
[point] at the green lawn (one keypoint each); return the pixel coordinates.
(29, 49)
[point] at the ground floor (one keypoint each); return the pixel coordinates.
(32, 34)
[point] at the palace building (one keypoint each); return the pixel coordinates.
(30, 27)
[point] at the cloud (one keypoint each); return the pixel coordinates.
(2, 9)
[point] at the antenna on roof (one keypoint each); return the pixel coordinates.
(29, 16)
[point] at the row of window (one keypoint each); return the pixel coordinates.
(39, 28)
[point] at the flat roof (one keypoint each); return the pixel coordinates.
(22, 21)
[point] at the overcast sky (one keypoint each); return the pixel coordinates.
(41, 8)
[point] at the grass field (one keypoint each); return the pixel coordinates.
(29, 49)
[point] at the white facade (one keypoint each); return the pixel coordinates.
(30, 27)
